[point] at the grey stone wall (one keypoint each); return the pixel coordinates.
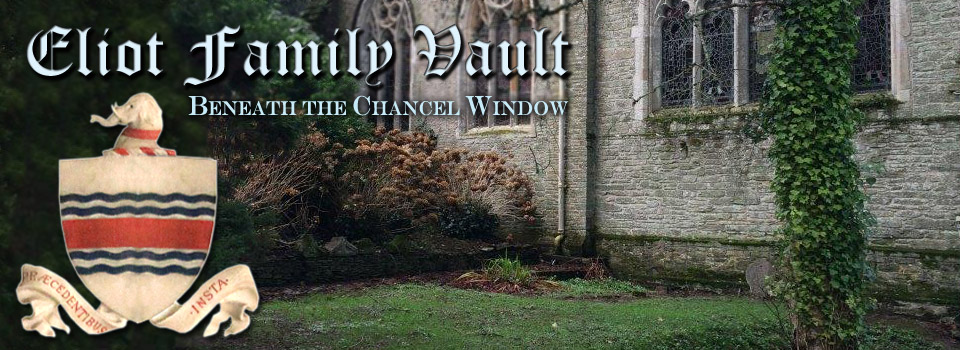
(691, 201)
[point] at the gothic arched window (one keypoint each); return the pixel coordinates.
(388, 20)
(716, 76)
(697, 61)
(763, 21)
(708, 58)
(871, 69)
(497, 21)
(677, 55)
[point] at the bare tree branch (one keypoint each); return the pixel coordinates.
(765, 3)
(540, 12)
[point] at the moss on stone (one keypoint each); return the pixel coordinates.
(753, 242)
(930, 261)
(746, 242)
(915, 291)
(499, 131)
(701, 115)
(628, 266)
(661, 121)
(919, 251)
(692, 282)
(880, 100)
(688, 276)
(689, 120)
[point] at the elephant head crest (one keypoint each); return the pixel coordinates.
(143, 119)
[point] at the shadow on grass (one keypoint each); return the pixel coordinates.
(432, 316)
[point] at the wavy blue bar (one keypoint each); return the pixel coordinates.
(129, 196)
(138, 211)
(137, 254)
(160, 271)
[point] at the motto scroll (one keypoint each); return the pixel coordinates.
(233, 289)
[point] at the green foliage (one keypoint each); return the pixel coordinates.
(393, 317)
(308, 246)
(877, 100)
(508, 270)
(470, 220)
(817, 183)
(235, 239)
(365, 245)
(889, 338)
(236, 140)
(599, 288)
(399, 244)
(718, 336)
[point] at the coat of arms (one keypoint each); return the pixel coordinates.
(138, 223)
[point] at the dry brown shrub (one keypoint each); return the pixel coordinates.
(393, 177)
(406, 174)
(278, 184)
(596, 270)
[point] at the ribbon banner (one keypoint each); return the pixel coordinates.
(233, 289)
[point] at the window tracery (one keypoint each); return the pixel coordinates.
(701, 46)
(497, 21)
(389, 20)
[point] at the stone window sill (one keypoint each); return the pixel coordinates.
(500, 131)
(876, 100)
(865, 101)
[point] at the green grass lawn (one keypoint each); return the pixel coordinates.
(429, 316)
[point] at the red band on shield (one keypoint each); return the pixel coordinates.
(138, 233)
(141, 134)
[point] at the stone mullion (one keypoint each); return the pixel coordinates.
(697, 64)
(492, 83)
(382, 96)
(900, 83)
(515, 78)
(398, 87)
(741, 56)
(643, 76)
(654, 93)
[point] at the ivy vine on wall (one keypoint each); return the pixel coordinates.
(809, 115)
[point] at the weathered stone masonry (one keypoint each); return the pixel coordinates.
(683, 196)
(696, 205)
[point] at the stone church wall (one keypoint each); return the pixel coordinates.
(685, 197)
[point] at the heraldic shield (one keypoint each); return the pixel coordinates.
(138, 229)
(138, 225)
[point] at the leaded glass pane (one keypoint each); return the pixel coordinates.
(763, 21)
(388, 20)
(871, 69)
(403, 76)
(503, 82)
(716, 78)
(526, 82)
(480, 81)
(387, 89)
(676, 56)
